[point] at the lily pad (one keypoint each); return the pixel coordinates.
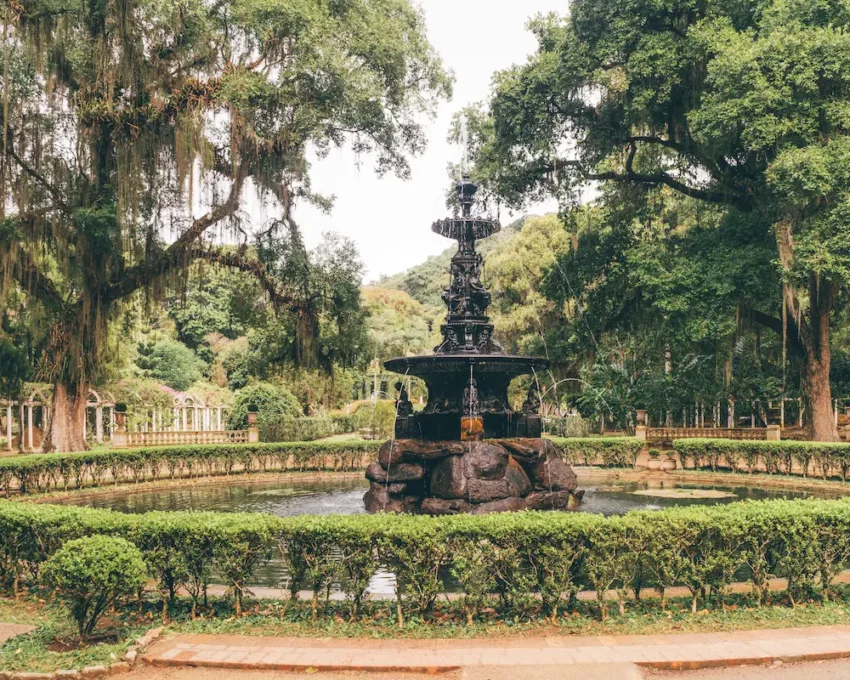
(696, 494)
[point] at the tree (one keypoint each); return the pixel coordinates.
(741, 106)
(117, 117)
(171, 362)
(398, 326)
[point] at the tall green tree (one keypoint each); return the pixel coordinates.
(134, 131)
(743, 105)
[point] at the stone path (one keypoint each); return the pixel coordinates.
(684, 651)
(10, 630)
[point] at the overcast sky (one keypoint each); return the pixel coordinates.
(389, 219)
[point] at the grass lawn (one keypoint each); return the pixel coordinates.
(37, 651)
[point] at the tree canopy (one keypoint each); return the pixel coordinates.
(136, 133)
(740, 105)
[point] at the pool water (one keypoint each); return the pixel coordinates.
(344, 496)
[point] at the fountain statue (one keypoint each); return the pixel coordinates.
(467, 450)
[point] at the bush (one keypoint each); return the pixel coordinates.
(606, 451)
(92, 574)
(378, 418)
(275, 406)
(520, 566)
(824, 459)
(299, 430)
(38, 473)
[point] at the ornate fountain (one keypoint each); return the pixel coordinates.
(468, 450)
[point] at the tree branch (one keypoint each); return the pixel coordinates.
(280, 298)
(145, 273)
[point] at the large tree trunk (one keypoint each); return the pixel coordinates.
(66, 425)
(808, 329)
(815, 339)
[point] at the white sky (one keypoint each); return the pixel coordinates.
(390, 219)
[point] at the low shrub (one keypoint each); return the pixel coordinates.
(38, 473)
(92, 574)
(518, 565)
(605, 451)
(823, 459)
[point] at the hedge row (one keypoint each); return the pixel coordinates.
(38, 473)
(607, 451)
(521, 564)
(824, 459)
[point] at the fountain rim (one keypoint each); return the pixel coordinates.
(441, 364)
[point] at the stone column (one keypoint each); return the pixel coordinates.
(774, 433)
(29, 427)
(183, 411)
(9, 427)
(640, 432)
(98, 424)
(218, 418)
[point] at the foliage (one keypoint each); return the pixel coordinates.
(93, 574)
(740, 107)
(398, 325)
(523, 565)
(170, 362)
(606, 451)
(179, 116)
(276, 404)
(37, 473)
(824, 459)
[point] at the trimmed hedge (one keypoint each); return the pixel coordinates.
(523, 564)
(38, 473)
(824, 459)
(606, 451)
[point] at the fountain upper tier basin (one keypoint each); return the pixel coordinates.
(509, 365)
(447, 376)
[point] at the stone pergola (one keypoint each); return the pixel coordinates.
(188, 413)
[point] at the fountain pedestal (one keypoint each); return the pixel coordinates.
(448, 477)
(468, 450)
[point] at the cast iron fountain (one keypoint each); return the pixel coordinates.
(468, 450)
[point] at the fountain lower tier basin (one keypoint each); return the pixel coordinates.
(451, 477)
(447, 376)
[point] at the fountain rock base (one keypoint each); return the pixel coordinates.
(451, 477)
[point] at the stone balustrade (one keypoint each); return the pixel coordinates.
(668, 434)
(125, 439)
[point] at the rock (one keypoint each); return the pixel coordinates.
(545, 500)
(517, 479)
(94, 671)
(397, 489)
(504, 505)
(67, 674)
(418, 450)
(551, 474)
(399, 472)
(31, 676)
(484, 490)
(448, 480)
(378, 500)
(485, 461)
(440, 506)
(389, 454)
(524, 447)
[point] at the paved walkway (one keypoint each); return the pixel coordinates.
(685, 651)
(10, 630)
